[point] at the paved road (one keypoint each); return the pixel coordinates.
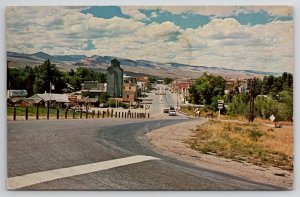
(39, 146)
(163, 99)
(106, 154)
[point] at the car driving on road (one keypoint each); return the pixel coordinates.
(172, 112)
(166, 110)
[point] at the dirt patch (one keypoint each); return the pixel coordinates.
(171, 140)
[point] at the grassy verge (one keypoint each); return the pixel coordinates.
(190, 111)
(187, 111)
(20, 111)
(253, 143)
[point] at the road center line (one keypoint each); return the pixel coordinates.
(40, 177)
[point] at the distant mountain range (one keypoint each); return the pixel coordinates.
(101, 63)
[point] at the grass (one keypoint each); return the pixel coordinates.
(187, 111)
(253, 143)
(20, 112)
(256, 120)
(190, 111)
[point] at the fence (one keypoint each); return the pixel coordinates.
(37, 112)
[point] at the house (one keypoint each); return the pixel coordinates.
(94, 86)
(129, 79)
(54, 100)
(32, 102)
(229, 85)
(87, 103)
(15, 101)
(93, 89)
(239, 85)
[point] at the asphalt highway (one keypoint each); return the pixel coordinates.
(38, 146)
(106, 154)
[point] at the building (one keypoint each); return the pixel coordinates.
(229, 86)
(86, 103)
(32, 102)
(129, 92)
(130, 89)
(16, 94)
(93, 89)
(55, 100)
(115, 79)
(239, 85)
(143, 83)
(143, 79)
(181, 87)
(94, 86)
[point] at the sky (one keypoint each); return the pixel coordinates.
(235, 37)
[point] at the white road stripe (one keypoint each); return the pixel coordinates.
(40, 177)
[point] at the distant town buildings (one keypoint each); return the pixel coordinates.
(181, 87)
(129, 89)
(115, 79)
(239, 85)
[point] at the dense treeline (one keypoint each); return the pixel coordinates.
(274, 95)
(38, 79)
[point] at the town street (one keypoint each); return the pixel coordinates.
(106, 154)
(161, 100)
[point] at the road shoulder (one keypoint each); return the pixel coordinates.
(170, 141)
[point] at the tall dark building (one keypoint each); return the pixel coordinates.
(115, 79)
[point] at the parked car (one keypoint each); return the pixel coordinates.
(166, 110)
(172, 112)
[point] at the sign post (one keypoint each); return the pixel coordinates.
(220, 106)
(272, 118)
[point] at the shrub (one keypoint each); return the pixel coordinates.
(255, 134)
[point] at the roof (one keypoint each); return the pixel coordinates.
(32, 100)
(14, 100)
(89, 100)
(61, 98)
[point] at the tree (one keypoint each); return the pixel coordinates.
(265, 107)
(21, 78)
(287, 80)
(76, 78)
(194, 95)
(152, 79)
(286, 105)
(103, 97)
(47, 73)
(239, 105)
(168, 80)
(209, 86)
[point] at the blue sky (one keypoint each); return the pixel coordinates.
(248, 37)
(186, 19)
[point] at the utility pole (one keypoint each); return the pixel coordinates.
(252, 97)
(177, 93)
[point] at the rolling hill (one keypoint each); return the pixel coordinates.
(101, 63)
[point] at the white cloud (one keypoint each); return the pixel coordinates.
(251, 47)
(133, 12)
(221, 42)
(219, 11)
